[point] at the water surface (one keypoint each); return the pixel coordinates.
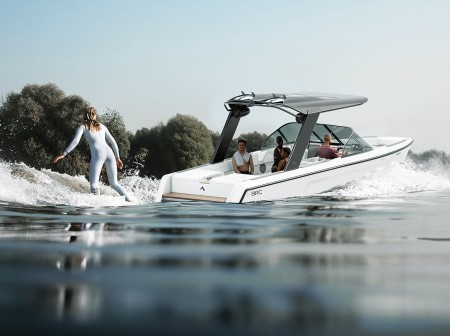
(367, 258)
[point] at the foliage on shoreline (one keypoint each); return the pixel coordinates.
(35, 126)
(38, 123)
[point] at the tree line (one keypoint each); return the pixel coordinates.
(39, 122)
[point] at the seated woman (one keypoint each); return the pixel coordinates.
(242, 161)
(277, 153)
(285, 152)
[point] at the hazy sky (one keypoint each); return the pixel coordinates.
(150, 60)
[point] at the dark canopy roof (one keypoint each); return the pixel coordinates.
(303, 102)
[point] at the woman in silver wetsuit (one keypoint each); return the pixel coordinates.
(97, 134)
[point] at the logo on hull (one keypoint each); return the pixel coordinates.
(256, 192)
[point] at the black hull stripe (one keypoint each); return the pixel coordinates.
(324, 170)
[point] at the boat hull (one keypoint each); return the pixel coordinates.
(331, 174)
(210, 183)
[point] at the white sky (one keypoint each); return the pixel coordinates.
(150, 60)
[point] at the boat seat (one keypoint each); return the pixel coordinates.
(305, 154)
(259, 156)
(312, 150)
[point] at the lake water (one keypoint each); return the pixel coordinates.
(368, 258)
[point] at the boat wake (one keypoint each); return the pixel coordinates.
(22, 184)
(400, 178)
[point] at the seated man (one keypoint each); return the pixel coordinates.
(326, 151)
(285, 152)
(242, 161)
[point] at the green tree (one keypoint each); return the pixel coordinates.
(39, 122)
(145, 151)
(215, 136)
(254, 142)
(63, 124)
(35, 124)
(116, 126)
(186, 143)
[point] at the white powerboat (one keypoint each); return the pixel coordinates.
(305, 174)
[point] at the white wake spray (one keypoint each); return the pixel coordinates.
(400, 178)
(22, 184)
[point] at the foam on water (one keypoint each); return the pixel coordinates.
(22, 184)
(397, 179)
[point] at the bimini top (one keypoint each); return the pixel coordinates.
(302, 102)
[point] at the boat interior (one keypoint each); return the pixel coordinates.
(345, 138)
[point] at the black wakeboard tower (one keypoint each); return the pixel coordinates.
(305, 107)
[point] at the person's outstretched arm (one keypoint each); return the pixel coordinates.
(72, 145)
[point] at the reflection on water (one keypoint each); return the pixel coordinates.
(312, 234)
(72, 262)
(74, 302)
(305, 266)
(112, 234)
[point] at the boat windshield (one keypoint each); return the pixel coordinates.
(344, 137)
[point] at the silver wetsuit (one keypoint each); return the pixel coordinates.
(101, 154)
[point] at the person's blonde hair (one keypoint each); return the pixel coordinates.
(327, 136)
(90, 120)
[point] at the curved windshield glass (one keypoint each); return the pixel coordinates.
(343, 137)
(339, 134)
(288, 132)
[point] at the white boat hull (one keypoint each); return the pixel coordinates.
(218, 183)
